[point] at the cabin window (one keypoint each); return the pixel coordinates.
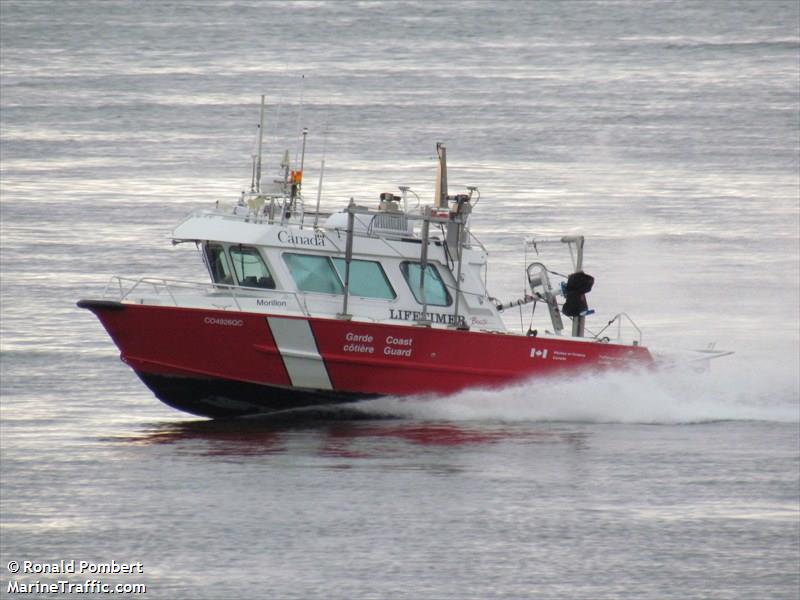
(218, 264)
(313, 273)
(326, 275)
(251, 271)
(435, 291)
(367, 279)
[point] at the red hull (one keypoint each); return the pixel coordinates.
(220, 363)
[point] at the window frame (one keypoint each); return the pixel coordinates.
(381, 270)
(230, 278)
(341, 276)
(413, 288)
(327, 260)
(241, 248)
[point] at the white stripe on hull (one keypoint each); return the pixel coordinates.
(297, 346)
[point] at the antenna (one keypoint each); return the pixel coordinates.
(302, 157)
(300, 113)
(260, 143)
(322, 167)
(285, 166)
(319, 192)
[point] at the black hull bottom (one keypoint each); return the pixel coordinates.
(221, 398)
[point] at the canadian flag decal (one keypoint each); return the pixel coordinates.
(538, 353)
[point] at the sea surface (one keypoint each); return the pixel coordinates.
(668, 133)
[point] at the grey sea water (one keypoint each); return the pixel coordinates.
(666, 132)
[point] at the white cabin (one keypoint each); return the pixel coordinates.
(399, 272)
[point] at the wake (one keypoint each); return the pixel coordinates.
(733, 390)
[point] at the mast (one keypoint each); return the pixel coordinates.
(457, 227)
(440, 200)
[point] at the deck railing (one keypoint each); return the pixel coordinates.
(123, 288)
(618, 319)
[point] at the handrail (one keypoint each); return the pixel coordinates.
(169, 285)
(477, 241)
(618, 319)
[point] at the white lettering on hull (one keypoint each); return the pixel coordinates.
(362, 343)
(389, 351)
(354, 337)
(358, 348)
(223, 321)
(564, 355)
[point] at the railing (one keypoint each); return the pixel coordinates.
(477, 241)
(618, 320)
(171, 288)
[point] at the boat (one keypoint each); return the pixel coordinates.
(307, 308)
